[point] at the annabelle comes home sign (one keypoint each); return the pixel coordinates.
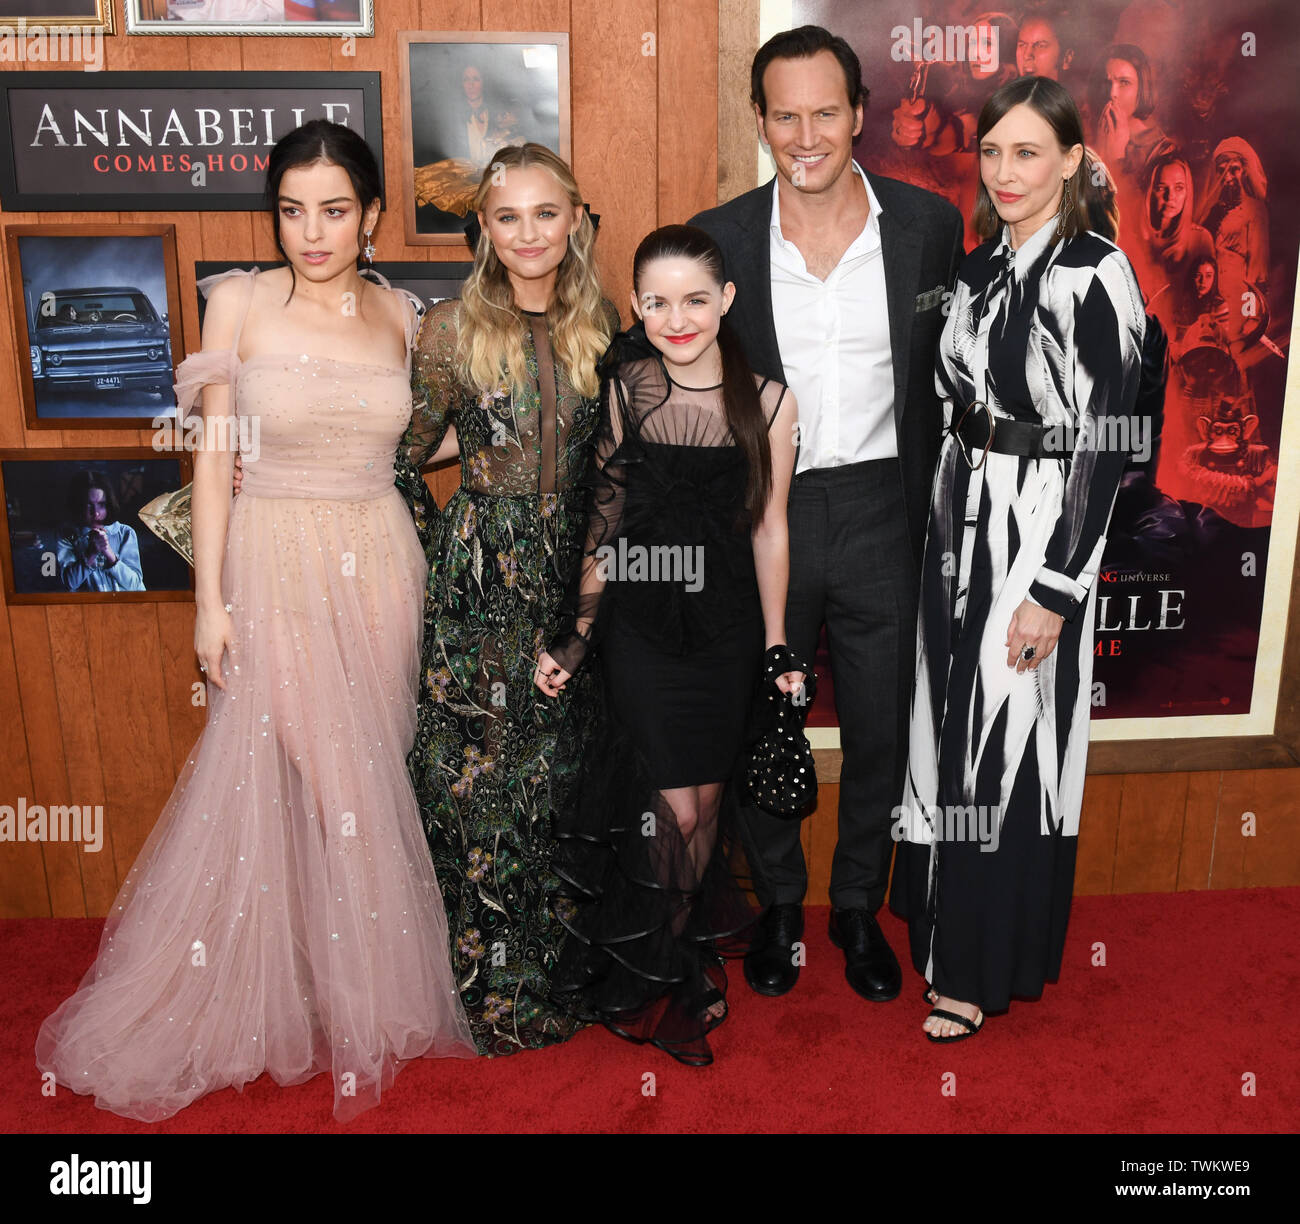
(161, 141)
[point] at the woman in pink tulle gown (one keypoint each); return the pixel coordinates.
(283, 915)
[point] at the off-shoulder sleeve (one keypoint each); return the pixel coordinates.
(210, 367)
(216, 367)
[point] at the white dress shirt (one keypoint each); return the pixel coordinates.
(834, 342)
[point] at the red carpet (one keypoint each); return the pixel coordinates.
(1198, 990)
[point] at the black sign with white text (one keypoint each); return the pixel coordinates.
(161, 141)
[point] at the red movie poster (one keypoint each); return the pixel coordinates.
(1192, 107)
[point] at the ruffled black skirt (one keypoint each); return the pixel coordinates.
(650, 915)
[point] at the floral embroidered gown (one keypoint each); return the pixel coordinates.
(489, 765)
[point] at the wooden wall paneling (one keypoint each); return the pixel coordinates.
(1150, 832)
(86, 754)
(211, 54)
(125, 665)
(24, 892)
(451, 15)
(1094, 871)
(818, 837)
(35, 672)
(615, 133)
(526, 15)
(1199, 821)
(687, 160)
(1236, 798)
(737, 137)
(180, 672)
(123, 53)
(1272, 855)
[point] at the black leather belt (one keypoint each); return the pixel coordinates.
(978, 431)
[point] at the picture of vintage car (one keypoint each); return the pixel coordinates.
(100, 339)
(99, 355)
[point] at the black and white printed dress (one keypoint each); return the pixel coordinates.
(1049, 334)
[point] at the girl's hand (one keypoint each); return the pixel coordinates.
(239, 473)
(1035, 627)
(790, 682)
(214, 632)
(550, 677)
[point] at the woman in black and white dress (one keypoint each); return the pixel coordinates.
(1040, 360)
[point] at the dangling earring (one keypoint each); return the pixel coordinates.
(1064, 212)
(368, 251)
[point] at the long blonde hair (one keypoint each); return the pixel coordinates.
(490, 344)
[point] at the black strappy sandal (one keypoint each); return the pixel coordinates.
(972, 1026)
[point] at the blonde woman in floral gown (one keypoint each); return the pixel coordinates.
(511, 366)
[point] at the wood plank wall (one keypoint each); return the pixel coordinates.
(95, 701)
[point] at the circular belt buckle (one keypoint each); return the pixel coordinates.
(961, 442)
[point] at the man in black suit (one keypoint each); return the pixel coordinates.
(841, 278)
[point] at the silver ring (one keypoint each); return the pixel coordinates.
(1028, 653)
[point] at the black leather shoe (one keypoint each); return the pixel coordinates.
(770, 967)
(871, 967)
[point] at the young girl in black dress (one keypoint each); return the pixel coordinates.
(683, 584)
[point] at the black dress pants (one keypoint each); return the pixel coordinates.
(851, 567)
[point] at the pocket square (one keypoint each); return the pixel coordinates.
(929, 299)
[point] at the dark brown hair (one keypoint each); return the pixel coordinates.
(740, 396)
(803, 43)
(1099, 196)
(1099, 91)
(79, 486)
(1051, 101)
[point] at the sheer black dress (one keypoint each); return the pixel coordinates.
(678, 642)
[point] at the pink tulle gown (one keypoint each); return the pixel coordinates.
(283, 915)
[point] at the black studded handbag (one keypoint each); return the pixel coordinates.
(779, 774)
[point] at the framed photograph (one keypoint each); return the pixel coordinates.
(97, 323)
(244, 17)
(83, 15)
(163, 141)
(465, 95)
(72, 531)
(429, 281)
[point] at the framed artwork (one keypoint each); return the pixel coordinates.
(96, 312)
(85, 15)
(72, 531)
(465, 95)
(1197, 631)
(250, 17)
(163, 141)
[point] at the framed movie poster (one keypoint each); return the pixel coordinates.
(72, 531)
(97, 323)
(465, 95)
(163, 141)
(245, 17)
(52, 15)
(1197, 641)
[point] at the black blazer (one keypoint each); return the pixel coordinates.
(921, 238)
